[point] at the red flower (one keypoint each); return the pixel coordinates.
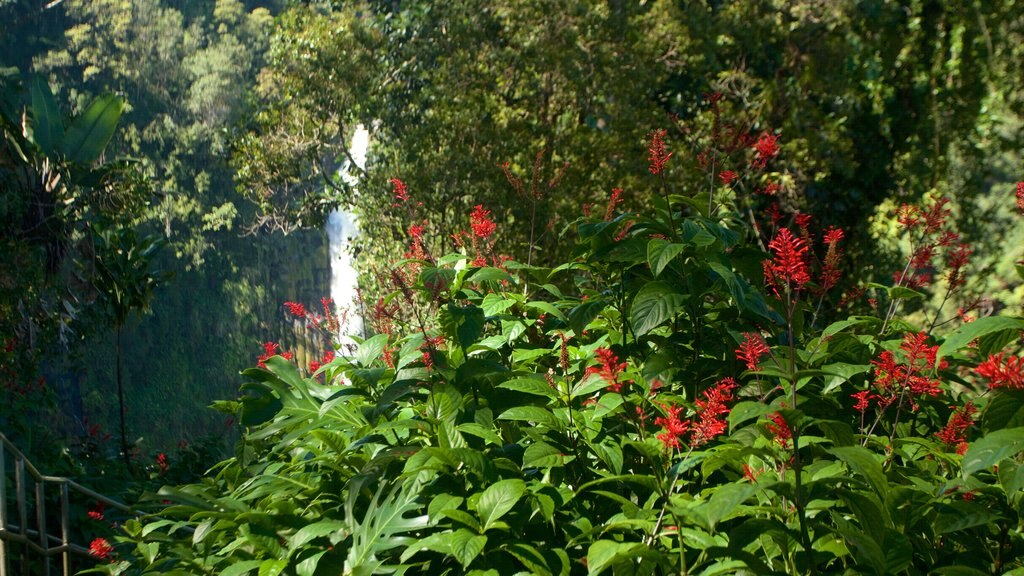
(656, 153)
(779, 429)
(863, 400)
(789, 263)
(96, 513)
(955, 432)
(936, 215)
(1020, 197)
(297, 310)
(912, 374)
(270, 349)
(767, 147)
(752, 349)
(610, 369)
(908, 216)
(956, 259)
(710, 412)
(727, 176)
(161, 462)
(401, 193)
(610, 211)
(750, 474)
(1000, 374)
(674, 427)
(481, 222)
(101, 549)
(833, 235)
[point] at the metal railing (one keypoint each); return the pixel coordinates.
(38, 540)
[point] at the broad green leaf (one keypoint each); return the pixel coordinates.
(47, 123)
(957, 516)
(466, 546)
(542, 455)
(313, 531)
(747, 410)
(603, 553)
(861, 461)
(370, 350)
(990, 450)
(654, 304)
(736, 286)
(498, 499)
(89, 133)
(980, 327)
(546, 308)
(496, 304)
(959, 571)
(581, 316)
(307, 567)
(725, 500)
(661, 252)
(837, 327)
(1005, 410)
(240, 568)
(534, 386)
(530, 414)
(490, 274)
(272, 567)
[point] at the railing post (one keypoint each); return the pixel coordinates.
(41, 524)
(19, 487)
(3, 509)
(65, 538)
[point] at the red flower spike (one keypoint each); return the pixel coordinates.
(752, 349)
(779, 429)
(789, 264)
(908, 216)
(161, 462)
(610, 369)
(101, 548)
(936, 215)
(1020, 197)
(727, 177)
(96, 513)
(612, 203)
(955, 432)
(674, 427)
(656, 153)
(711, 410)
(1003, 374)
(296, 309)
(481, 222)
(401, 192)
(766, 147)
(863, 400)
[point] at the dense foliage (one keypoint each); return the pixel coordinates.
(666, 401)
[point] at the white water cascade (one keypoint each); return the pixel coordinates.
(342, 231)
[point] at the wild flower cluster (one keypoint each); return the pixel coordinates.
(685, 396)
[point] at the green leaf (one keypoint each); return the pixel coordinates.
(542, 455)
(89, 134)
(530, 414)
(581, 316)
(466, 546)
(603, 553)
(498, 499)
(736, 286)
(747, 410)
(980, 327)
(546, 308)
(240, 568)
(993, 448)
(370, 350)
(272, 567)
(490, 274)
(661, 252)
(726, 499)
(313, 531)
(862, 461)
(534, 386)
(47, 123)
(654, 304)
(496, 304)
(1005, 410)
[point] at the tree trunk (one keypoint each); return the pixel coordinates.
(120, 401)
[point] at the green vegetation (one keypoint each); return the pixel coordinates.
(167, 167)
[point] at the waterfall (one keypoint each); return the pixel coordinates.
(342, 231)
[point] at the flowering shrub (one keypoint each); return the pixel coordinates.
(665, 403)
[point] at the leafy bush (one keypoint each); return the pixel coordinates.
(669, 401)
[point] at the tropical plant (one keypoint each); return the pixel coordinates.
(667, 401)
